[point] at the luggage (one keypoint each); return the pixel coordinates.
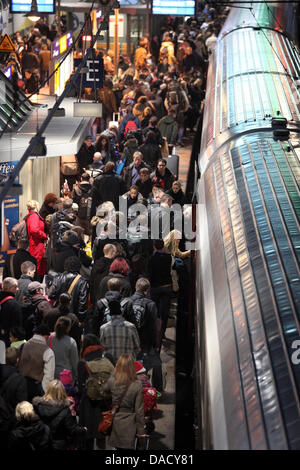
(142, 443)
(69, 165)
(173, 164)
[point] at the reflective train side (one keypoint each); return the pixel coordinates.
(248, 279)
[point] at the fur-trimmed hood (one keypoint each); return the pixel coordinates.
(49, 409)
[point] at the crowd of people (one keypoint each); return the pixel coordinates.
(86, 297)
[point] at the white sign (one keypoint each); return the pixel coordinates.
(112, 25)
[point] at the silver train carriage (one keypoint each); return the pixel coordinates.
(248, 307)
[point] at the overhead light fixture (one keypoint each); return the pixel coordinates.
(33, 15)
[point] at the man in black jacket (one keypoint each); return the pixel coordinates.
(11, 310)
(107, 187)
(145, 315)
(75, 285)
(150, 150)
(12, 267)
(100, 269)
(162, 175)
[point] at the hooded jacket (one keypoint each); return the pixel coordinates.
(57, 415)
(29, 435)
(151, 153)
(107, 187)
(168, 128)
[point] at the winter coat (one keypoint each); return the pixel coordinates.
(85, 156)
(107, 187)
(23, 283)
(59, 216)
(10, 315)
(108, 99)
(169, 47)
(140, 57)
(30, 435)
(128, 173)
(90, 410)
(63, 252)
(19, 257)
(40, 306)
(151, 153)
(168, 128)
(165, 181)
(100, 269)
(148, 331)
(129, 420)
(125, 289)
(66, 354)
(130, 147)
(57, 415)
(79, 295)
(37, 238)
(13, 385)
(145, 188)
(178, 198)
(159, 139)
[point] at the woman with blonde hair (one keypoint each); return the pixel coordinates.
(54, 410)
(171, 245)
(29, 433)
(127, 395)
(37, 236)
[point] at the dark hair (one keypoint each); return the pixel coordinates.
(61, 327)
(72, 265)
(18, 332)
(150, 137)
(158, 244)
(138, 264)
(89, 340)
(162, 160)
(153, 120)
(64, 299)
(144, 171)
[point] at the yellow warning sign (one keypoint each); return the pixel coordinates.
(6, 44)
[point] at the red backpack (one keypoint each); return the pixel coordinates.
(150, 399)
(130, 126)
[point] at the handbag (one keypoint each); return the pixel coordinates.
(105, 425)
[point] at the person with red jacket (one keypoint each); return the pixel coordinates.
(36, 235)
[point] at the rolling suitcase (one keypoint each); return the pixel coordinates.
(142, 443)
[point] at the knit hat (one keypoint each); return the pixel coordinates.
(34, 286)
(139, 368)
(66, 377)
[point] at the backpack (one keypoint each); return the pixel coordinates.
(130, 126)
(174, 97)
(150, 399)
(139, 311)
(84, 207)
(99, 371)
(106, 317)
(19, 231)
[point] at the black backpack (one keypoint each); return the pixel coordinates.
(139, 313)
(84, 203)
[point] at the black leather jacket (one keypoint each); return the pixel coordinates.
(80, 293)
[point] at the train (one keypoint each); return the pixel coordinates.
(247, 320)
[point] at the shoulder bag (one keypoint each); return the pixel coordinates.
(105, 425)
